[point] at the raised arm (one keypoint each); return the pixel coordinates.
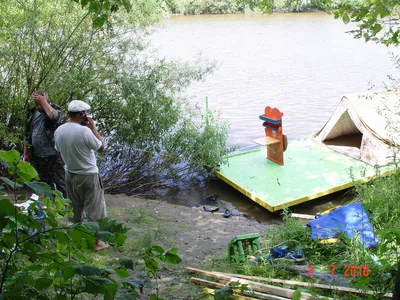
(90, 124)
(50, 111)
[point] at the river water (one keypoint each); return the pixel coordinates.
(301, 63)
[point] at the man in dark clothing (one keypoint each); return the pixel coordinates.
(42, 122)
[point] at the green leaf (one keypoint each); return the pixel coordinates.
(96, 284)
(61, 237)
(106, 5)
(86, 270)
(128, 296)
(296, 295)
(174, 250)
(346, 18)
(10, 157)
(42, 283)
(135, 283)
(41, 188)
(4, 222)
(22, 279)
(27, 172)
(127, 262)
(94, 6)
(158, 249)
(104, 235)
(376, 28)
(98, 22)
(6, 208)
(67, 272)
(120, 240)
(154, 297)
(122, 272)
(84, 3)
(59, 204)
(90, 226)
(223, 294)
(151, 264)
(10, 183)
(172, 258)
(112, 288)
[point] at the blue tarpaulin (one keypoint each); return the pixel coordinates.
(350, 219)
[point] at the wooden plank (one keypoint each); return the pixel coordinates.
(266, 140)
(235, 297)
(309, 284)
(248, 293)
(303, 216)
(260, 287)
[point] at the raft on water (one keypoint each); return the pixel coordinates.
(354, 146)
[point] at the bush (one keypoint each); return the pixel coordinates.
(46, 258)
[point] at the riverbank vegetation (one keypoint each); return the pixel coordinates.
(188, 7)
(152, 132)
(381, 197)
(43, 256)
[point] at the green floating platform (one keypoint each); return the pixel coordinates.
(311, 171)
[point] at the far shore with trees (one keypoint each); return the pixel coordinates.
(189, 7)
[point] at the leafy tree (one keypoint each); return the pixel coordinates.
(376, 20)
(135, 96)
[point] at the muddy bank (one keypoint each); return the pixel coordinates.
(199, 235)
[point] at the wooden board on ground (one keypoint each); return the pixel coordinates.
(259, 287)
(309, 284)
(248, 293)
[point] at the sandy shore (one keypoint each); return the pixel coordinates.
(198, 235)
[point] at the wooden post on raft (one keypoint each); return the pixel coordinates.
(274, 140)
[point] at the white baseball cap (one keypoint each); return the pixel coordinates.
(77, 106)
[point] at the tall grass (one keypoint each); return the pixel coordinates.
(382, 197)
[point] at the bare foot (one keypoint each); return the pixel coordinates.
(100, 245)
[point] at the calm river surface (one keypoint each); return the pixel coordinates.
(300, 63)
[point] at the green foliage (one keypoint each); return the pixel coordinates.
(239, 6)
(382, 197)
(376, 20)
(204, 6)
(102, 9)
(136, 98)
(49, 259)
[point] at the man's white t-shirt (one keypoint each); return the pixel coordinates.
(77, 144)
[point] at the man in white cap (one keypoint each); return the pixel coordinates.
(77, 142)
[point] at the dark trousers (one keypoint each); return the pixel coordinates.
(51, 171)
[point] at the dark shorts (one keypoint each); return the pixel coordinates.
(51, 170)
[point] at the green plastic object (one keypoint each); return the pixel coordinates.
(243, 245)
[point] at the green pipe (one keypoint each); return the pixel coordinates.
(206, 110)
